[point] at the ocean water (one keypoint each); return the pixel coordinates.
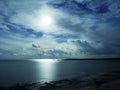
(29, 71)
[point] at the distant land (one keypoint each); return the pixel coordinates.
(93, 59)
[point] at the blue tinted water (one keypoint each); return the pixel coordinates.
(26, 71)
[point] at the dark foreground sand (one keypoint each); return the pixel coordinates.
(101, 81)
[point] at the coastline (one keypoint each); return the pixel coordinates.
(101, 81)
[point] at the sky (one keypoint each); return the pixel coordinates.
(33, 29)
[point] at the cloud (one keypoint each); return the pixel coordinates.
(82, 7)
(35, 46)
(80, 28)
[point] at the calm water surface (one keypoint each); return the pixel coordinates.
(26, 71)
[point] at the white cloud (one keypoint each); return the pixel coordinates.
(33, 19)
(95, 31)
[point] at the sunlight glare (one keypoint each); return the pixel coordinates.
(46, 20)
(46, 60)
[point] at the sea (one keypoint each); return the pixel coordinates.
(45, 70)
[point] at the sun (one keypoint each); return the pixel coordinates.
(46, 20)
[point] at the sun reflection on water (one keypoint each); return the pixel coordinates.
(47, 69)
(46, 60)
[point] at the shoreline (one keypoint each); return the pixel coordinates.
(101, 81)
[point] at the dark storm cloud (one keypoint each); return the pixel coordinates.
(82, 7)
(107, 36)
(35, 46)
(103, 31)
(100, 9)
(98, 48)
(71, 6)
